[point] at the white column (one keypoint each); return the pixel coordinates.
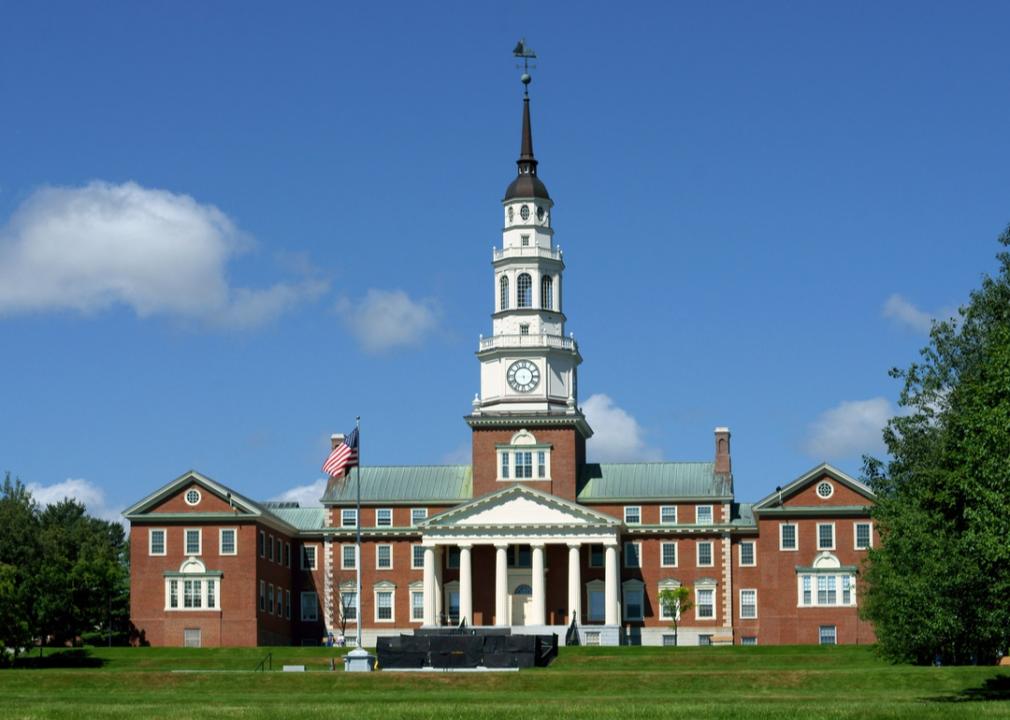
(439, 585)
(501, 580)
(610, 590)
(429, 585)
(539, 591)
(574, 583)
(465, 585)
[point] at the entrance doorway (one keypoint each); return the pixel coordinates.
(522, 602)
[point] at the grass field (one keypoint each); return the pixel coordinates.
(625, 683)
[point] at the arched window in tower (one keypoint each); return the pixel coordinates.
(524, 291)
(503, 293)
(547, 292)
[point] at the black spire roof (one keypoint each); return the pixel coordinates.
(527, 185)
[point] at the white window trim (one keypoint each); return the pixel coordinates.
(199, 497)
(817, 490)
(343, 520)
(633, 586)
(676, 553)
(740, 603)
(834, 539)
(263, 544)
(668, 507)
(667, 585)
(181, 590)
(315, 556)
(381, 545)
(413, 565)
(164, 542)
(263, 596)
(301, 607)
(796, 537)
(855, 535)
(533, 450)
(754, 555)
(287, 553)
(413, 522)
(418, 589)
(345, 588)
(185, 541)
(711, 514)
(220, 541)
(595, 586)
(698, 605)
(380, 510)
(711, 553)
(838, 590)
(633, 507)
(270, 548)
(343, 565)
(638, 553)
(391, 589)
(271, 605)
(834, 634)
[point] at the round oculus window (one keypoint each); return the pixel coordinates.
(192, 497)
(825, 490)
(511, 214)
(540, 214)
(524, 212)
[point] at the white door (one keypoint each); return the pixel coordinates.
(522, 600)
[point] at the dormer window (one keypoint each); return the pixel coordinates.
(523, 458)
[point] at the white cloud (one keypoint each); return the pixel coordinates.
(157, 252)
(903, 312)
(461, 455)
(386, 319)
(87, 493)
(853, 427)
(304, 495)
(617, 436)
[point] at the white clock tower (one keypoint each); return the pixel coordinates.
(528, 366)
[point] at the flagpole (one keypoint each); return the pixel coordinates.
(357, 526)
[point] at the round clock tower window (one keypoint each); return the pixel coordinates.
(825, 490)
(524, 212)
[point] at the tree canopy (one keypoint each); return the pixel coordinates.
(63, 574)
(939, 583)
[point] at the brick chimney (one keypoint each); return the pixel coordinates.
(723, 464)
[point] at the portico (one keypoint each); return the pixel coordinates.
(521, 524)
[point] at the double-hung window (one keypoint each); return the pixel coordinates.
(705, 558)
(349, 605)
(310, 607)
(704, 602)
(227, 543)
(863, 535)
(787, 537)
(270, 548)
(193, 542)
(668, 515)
(156, 542)
(348, 517)
(384, 517)
(632, 515)
(632, 555)
(417, 605)
(417, 557)
(595, 556)
(703, 515)
(348, 554)
(384, 557)
(418, 515)
(825, 536)
(748, 604)
(524, 464)
(826, 635)
(308, 557)
(384, 605)
(668, 554)
(747, 557)
(827, 590)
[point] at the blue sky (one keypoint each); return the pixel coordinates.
(228, 228)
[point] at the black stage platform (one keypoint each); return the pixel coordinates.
(465, 648)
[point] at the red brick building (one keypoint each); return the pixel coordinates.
(529, 535)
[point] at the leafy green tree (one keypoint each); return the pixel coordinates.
(18, 558)
(939, 583)
(675, 601)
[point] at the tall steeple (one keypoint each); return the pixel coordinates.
(527, 184)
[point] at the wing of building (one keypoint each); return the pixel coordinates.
(529, 535)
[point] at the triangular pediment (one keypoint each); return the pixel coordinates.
(236, 504)
(520, 506)
(824, 470)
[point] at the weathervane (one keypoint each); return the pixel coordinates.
(522, 50)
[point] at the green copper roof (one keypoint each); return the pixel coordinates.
(743, 514)
(643, 481)
(406, 483)
(308, 518)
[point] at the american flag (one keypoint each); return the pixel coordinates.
(344, 456)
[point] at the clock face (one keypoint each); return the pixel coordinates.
(523, 376)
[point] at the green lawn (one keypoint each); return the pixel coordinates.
(625, 683)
